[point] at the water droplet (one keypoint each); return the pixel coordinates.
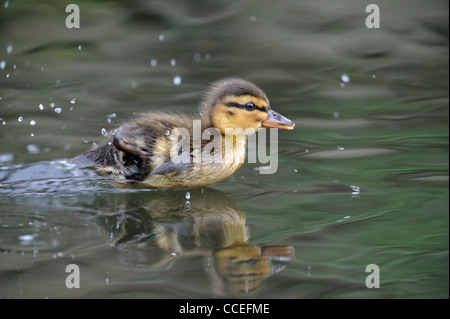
(340, 148)
(33, 149)
(355, 189)
(345, 78)
(7, 76)
(32, 134)
(197, 57)
(73, 101)
(173, 62)
(153, 62)
(167, 133)
(177, 80)
(104, 132)
(27, 237)
(336, 115)
(373, 76)
(133, 84)
(187, 195)
(2, 65)
(6, 4)
(161, 37)
(41, 106)
(9, 48)
(20, 119)
(295, 170)
(79, 47)
(32, 122)
(52, 105)
(58, 110)
(342, 85)
(6, 157)
(306, 150)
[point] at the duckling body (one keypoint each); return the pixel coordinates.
(161, 150)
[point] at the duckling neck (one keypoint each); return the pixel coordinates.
(233, 145)
(234, 149)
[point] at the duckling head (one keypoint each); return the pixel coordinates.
(236, 103)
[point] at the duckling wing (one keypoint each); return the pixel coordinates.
(139, 148)
(101, 155)
(170, 167)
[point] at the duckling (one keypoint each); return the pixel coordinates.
(141, 152)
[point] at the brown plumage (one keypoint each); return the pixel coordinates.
(142, 152)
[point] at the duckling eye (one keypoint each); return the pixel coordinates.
(250, 106)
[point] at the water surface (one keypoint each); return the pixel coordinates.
(363, 178)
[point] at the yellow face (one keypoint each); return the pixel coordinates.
(247, 112)
(243, 267)
(243, 112)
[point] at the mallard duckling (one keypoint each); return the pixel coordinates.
(141, 152)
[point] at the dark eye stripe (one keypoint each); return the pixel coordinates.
(243, 106)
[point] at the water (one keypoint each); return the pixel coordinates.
(363, 178)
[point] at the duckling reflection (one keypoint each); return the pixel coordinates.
(169, 225)
(243, 267)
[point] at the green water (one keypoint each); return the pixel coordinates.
(363, 178)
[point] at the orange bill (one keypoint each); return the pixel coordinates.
(276, 120)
